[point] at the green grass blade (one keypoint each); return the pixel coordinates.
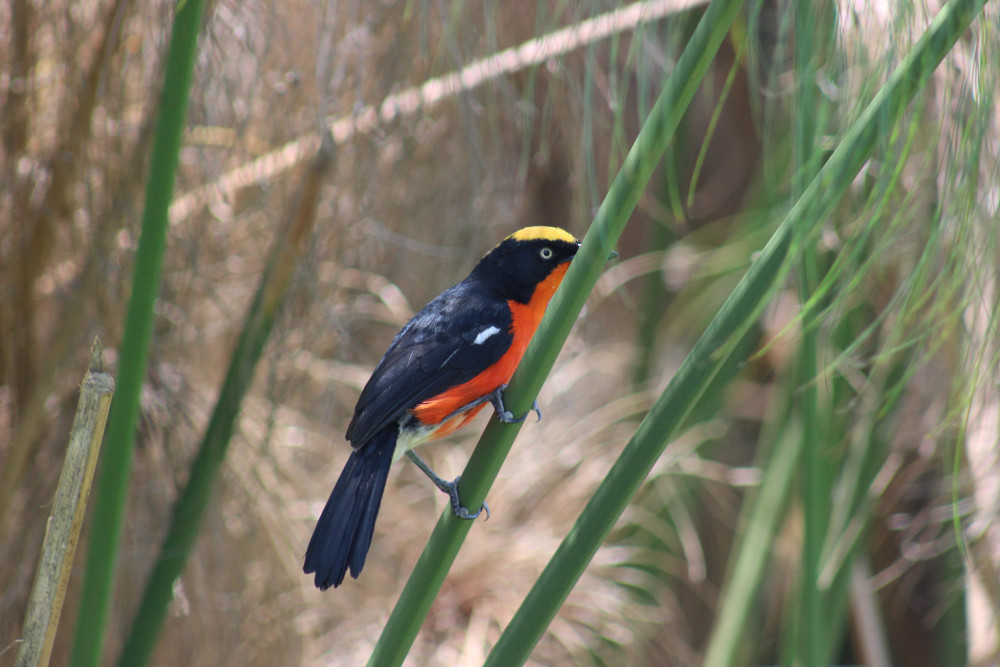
(813, 38)
(194, 499)
(763, 518)
(442, 548)
(811, 621)
(112, 487)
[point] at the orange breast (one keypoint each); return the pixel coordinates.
(525, 318)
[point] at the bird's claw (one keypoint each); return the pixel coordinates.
(505, 415)
(451, 488)
(460, 510)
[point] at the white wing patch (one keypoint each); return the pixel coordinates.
(485, 334)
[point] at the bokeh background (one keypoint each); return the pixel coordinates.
(908, 336)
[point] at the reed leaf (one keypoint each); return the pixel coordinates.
(112, 486)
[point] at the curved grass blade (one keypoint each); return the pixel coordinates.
(443, 545)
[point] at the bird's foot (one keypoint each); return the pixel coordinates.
(451, 488)
(457, 508)
(505, 415)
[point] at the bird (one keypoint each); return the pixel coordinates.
(444, 366)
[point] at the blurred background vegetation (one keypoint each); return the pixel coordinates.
(878, 357)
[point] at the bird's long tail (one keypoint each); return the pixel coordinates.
(344, 531)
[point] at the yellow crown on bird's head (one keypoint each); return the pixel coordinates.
(543, 234)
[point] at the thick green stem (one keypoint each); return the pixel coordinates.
(112, 487)
(442, 548)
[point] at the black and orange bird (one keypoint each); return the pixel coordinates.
(450, 360)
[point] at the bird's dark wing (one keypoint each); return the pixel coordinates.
(435, 351)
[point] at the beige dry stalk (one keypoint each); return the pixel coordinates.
(63, 530)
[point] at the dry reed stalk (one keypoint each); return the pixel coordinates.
(63, 529)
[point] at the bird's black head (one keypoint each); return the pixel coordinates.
(524, 259)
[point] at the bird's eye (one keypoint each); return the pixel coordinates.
(546, 253)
